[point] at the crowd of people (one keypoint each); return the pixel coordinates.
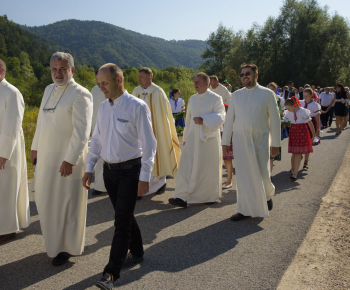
(134, 146)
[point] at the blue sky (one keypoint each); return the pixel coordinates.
(179, 19)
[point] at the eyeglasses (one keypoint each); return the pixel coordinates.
(247, 74)
(51, 110)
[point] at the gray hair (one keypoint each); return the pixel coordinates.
(2, 64)
(63, 56)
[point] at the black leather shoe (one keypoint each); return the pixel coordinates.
(270, 204)
(132, 260)
(238, 216)
(139, 198)
(96, 192)
(61, 259)
(161, 190)
(292, 178)
(178, 202)
(107, 282)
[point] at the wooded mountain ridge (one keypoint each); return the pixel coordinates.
(96, 43)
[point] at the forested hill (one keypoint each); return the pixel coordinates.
(97, 43)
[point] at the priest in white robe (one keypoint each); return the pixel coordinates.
(59, 149)
(168, 152)
(199, 177)
(254, 118)
(14, 199)
(99, 185)
(220, 89)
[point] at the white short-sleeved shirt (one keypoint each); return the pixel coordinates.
(177, 106)
(313, 107)
(326, 99)
(303, 116)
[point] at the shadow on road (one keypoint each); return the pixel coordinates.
(28, 271)
(176, 254)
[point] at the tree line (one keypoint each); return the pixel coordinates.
(304, 44)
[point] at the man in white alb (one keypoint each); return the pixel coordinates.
(124, 138)
(220, 89)
(98, 97)
(168, 149)
(59, 150)
(199, 177)
(14, 199)
(253, 116)
(325, 100)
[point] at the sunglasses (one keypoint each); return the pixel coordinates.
(247, 74)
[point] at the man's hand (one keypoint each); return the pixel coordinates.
(198, 120)
(87, 180)
(274, 151)
(225, 150)
(2, 163)
(183, 144)
(143, 188)
(66, 169)
(33, 156)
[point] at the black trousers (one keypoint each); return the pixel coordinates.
(327, 118)
(122, 185)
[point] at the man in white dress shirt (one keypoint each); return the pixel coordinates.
(220, 89)
(325, 100)
(124, 138)
(253, 116)
(14, 205)
(59, 150)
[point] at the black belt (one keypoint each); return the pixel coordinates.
(123, 165)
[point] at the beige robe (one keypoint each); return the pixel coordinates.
(168, 149)
(14, 199)
(253, 116)
(223, 92)
(60, 136)
(199, 177)
(98, 98)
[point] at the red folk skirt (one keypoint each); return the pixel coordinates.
(299, 139)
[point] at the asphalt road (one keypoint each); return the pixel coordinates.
(193, 248)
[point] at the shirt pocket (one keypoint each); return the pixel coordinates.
(123, 126)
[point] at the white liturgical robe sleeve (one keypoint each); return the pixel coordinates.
(11, 125)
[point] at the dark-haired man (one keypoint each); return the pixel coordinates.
(124, 138)
(253, 116)
(168, 153)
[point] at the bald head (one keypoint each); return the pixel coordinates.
(110, 80)
(112, 69)
(2, 69)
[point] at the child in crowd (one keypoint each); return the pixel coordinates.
(177, 105)
(315, 110)
(299, 137)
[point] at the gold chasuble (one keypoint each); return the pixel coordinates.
(168, 152)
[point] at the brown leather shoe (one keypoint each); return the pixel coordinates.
(5, 238)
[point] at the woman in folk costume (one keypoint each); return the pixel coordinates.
(315, 109)
(177, 105)
(299, 137)
(284, 134)
(228, 159)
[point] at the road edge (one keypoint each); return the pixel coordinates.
(322, 260)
